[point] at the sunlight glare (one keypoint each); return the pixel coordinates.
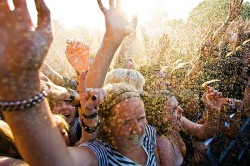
(141, 8)
(11, 5)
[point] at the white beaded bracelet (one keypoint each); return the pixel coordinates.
(27, 103)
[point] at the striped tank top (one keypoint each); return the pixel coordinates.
(108, 156)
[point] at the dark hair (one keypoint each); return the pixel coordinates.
(154, 104)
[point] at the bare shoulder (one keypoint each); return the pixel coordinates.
(83, 155)
(166, 151)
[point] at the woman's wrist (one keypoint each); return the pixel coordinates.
(6, 105)
(20, 87)
(112, 41)
(89, 125)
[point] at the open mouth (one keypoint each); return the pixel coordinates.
(135, 138)
(66, 115)
(179, 122)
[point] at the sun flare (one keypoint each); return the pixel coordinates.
(141, 8)
(87, 13)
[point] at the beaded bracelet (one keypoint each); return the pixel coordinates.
(27, 103)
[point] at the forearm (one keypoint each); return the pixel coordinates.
(212, 125)
(202, 131)
(221, 31)
(34, 129)
(52, 74)
(89, 126)
(99, 68)
(192, 128)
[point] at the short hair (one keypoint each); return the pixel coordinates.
(129, 76)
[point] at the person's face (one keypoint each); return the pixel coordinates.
(173, 113)
(128, 124)
(65, 109)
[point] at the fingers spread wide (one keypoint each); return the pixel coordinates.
(44, 20)
(101, 6)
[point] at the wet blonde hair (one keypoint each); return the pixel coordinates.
(129, 76)
(7, 142)
(61, 121)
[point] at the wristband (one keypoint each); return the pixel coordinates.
(90, 116)
(87, 128)
(71, 97)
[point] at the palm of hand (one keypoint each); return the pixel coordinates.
(117, 24)
(21, 48)
(78, 55)
(212, 98)
(235, 8)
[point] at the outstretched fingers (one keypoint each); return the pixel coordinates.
(22, 9)
(118, 4)
(111, 4)
(4, 6)
(44, 20)
(134, 21)
(101, 6)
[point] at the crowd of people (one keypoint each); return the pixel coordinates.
(148, 115)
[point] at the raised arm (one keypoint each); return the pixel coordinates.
(117, 27)
(57, 78)
(22, 51)
(58, 93)
(235, 7)
(212, 38)
(213, 102)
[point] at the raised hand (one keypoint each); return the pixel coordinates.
(116, 20)
(235, 7)
(55, 92)
(212, 98)
(77, 54)
(90, 98)
(22, 48)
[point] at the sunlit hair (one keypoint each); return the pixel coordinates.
(154, 104)
(152, 74)
(149, 72)
(7, 142)
(116, 93)
(5, 128)
(129, 76)
(61, 121)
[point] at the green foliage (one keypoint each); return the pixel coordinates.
(212, 11)
(209, 11)
(246, 11)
